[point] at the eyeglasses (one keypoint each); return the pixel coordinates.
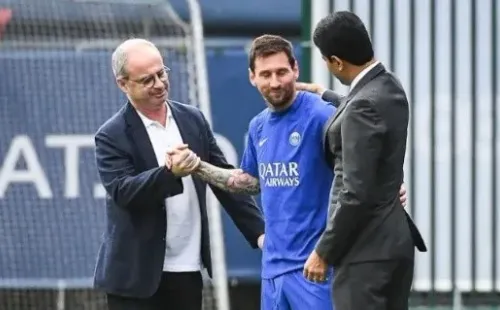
(149, 81)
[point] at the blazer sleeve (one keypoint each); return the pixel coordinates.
(242, 209)
(362, 137)
(332, 97)
(127, 188)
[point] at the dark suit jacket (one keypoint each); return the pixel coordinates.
(332, 97)
(365, 143)
(130, 259)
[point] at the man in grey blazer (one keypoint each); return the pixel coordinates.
(369, 238)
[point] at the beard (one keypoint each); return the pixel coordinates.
(279, 98)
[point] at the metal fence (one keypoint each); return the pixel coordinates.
(446, 54)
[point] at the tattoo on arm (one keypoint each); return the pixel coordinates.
(231, 180)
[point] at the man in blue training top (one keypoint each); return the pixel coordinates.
(285, 162)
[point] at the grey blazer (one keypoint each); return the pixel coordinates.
(365, 142)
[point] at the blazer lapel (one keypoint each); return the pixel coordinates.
(370, 75)
(140, 137)
(186, 126)
(191, 135)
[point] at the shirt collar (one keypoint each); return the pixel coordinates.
(148, 122)
(362, 74)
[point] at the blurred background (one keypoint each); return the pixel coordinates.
(57, 88)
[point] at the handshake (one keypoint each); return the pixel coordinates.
(181, 160)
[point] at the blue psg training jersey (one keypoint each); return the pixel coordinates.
(285, 151)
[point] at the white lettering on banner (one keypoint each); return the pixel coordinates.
(21, 149)
(99, 191)
(279, 174)
(71, 144)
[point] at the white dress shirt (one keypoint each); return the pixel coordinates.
(362, 74)
(183, 240)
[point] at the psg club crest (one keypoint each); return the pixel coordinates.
(294, 138)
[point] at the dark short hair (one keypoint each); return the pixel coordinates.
(267, 45)
(343, 34)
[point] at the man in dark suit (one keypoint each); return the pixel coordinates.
(369, 238)
(157, 238)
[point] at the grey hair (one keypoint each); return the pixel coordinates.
(119, 56)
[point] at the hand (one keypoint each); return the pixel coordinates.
(168, 158)
(310, 87)
(182, 160)
(402, 195)
(315, 268)
(260, 241)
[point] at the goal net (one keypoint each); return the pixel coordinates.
(56, 89)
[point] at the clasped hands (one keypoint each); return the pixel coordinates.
(181, 160)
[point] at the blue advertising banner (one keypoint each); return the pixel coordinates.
(51, 202)
(215, 12)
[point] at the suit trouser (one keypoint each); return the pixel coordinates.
(177, 291)
(382, 285)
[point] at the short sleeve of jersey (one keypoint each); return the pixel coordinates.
(324, 112)
(249, 160)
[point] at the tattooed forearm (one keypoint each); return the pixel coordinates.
(231, 180)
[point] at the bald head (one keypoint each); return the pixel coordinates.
(124, 50)
(141, 74)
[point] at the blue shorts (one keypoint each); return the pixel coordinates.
(292, 291)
